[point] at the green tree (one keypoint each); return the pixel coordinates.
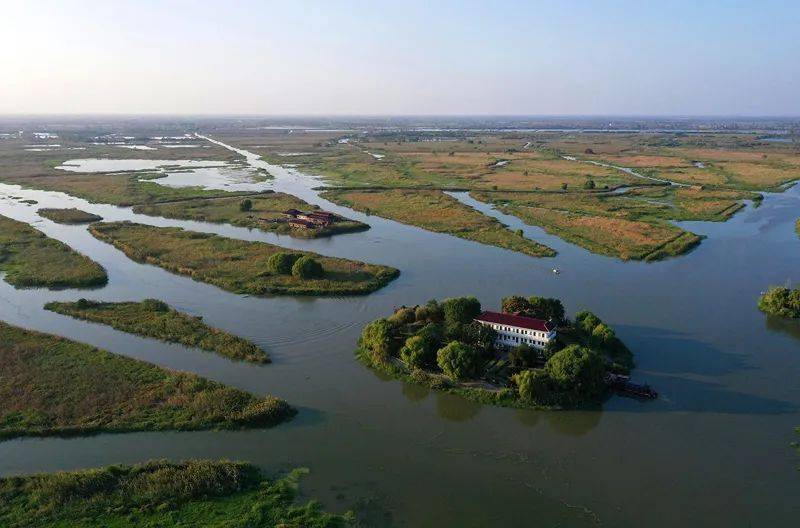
(403, 316)
(377, 339)
(586, 321)
(533, 385)
(515, 304)
(460, 309)
(418, 352)
(564, 186)
(307, 267)
(459, 361)
(245, 205)
(781, 301)
(552, 346)
(282, 262)
(523, 357)
(603, 335)
(578, 370)
(431, 312)
(589, 184)
(547, 308)
(481, 337)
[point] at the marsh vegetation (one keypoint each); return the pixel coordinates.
(68, 216)
(154, 318)
(208, 493)
(54, 386)
(31, 259)
(237, 265)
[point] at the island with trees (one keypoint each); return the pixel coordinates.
(781, 302)
(444, 346)
(239, 266)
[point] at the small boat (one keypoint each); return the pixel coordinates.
(556, 271)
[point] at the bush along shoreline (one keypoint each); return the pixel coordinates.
(442, 346)
(781, 302)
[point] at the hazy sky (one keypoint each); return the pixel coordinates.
(403, 57)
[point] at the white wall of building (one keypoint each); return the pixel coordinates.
(515, 336)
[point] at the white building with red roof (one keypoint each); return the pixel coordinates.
(514, 330)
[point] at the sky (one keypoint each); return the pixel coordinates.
(603, 57)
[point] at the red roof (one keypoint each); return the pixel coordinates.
(520, 321)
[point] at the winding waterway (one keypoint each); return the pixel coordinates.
(713, 450)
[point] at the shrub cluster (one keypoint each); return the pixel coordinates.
(781, 301)
(546, 308)
(307, 267)
(282, 263)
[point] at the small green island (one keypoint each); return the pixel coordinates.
(269, 211)
(31, 259)
(154, 318)
(162, 494)
(781, 302)
(69, 216)
(240, 266)
(528, 355)
(54, 386)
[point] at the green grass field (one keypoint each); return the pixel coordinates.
(237, 265)
(31, 259)
(152, 318)
(436, 211)
(160, 494)
(54, 386)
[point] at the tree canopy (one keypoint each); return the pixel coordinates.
(459, 361)
(460, 309)
(781, 301)
(282, 262)
(307, 267)
(578, 370)
(376, 338)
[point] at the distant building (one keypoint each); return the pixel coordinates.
(299, 223)
(515, 330)
(292, 213)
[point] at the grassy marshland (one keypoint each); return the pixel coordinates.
(69, 216)
(160, 494)
(54, 386)
(436, 211)
(29, 258)
(598, 224)
(153, 318)
(116, 189)
(236, 265)
(264, 213)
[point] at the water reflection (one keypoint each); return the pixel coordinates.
(573, 423)
(527, 417)
(415, 393)
(782, 325)
(455, 408)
